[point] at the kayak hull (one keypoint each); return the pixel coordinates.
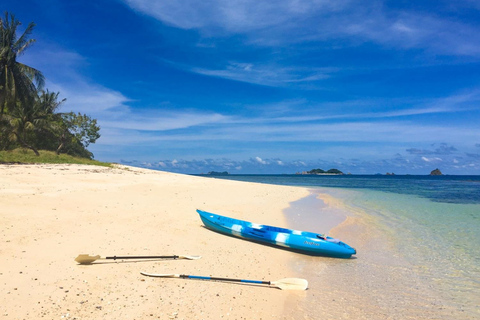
(299, 241)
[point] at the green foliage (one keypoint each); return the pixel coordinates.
(25, 120)
(334, 171)
(83, 128)
(320, 171)
(28, 156)
(215, 173)
(29, 117)
(17, 81)
(316, 171)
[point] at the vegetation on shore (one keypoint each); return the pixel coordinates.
(320, 171)
(216, 173)
(29, 114)
(26, 156)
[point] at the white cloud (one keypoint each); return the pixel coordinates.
(400, 164)
(232, 16)
(110, 107)
(87, 98)
(436, 159)
(61, 68)
(259, 160)
(268, 75)
(287, 21)
(162, 164)
(151, 120)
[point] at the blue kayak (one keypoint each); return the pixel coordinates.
(299, 241)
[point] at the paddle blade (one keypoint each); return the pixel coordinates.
(86, 259)
(291, 284)
(190, 257)
(160, 275)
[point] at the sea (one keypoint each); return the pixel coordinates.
(417, 241)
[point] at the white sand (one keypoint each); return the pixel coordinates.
(51, 213)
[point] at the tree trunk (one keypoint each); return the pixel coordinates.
(26, 145)
(35, 150)
(62, 143)
(59, 148)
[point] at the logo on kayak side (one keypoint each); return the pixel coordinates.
(312, 243)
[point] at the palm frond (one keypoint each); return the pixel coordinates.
(23, 41)
(25, 46)
(17, 81)
(33, 74)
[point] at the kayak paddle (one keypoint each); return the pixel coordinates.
(284, 284)
(87, 259)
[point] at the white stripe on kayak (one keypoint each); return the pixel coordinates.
(281, 239)
(237, 230)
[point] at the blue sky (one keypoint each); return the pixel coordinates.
(268, 86)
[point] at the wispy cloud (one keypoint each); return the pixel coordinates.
(442, 149)
(62, 68)
(235, 16)
(284, 122)
(287, 126)
(92, 99)
(288, 21)
(268, 75)
(271, 74)
(151, 120)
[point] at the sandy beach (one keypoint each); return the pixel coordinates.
(51, 213)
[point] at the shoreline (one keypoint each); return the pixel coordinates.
(318, 212)
(52, 213)
(381, 281)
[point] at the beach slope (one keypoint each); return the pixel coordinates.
(51, 213)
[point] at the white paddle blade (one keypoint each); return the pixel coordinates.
(190, 257)
(86, 259)
(291, 284)
(160, 275)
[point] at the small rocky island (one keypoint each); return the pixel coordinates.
(321, 172)
(436, 172)
(216, 173)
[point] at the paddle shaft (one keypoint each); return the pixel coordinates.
(143, 257)
(186, 276)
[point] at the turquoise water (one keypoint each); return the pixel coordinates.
(439, 240)
(430, 233)
(446, 189)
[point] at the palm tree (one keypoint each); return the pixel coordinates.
(26, 121)
(17, 80)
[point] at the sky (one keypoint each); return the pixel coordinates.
(267, 86)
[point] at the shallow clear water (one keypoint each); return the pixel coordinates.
(424, 259)
(440, 241)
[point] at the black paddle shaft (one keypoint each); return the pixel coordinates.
(143, 257)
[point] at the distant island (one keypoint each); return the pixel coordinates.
(215, 173)
(436, 172)
(321, 172)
